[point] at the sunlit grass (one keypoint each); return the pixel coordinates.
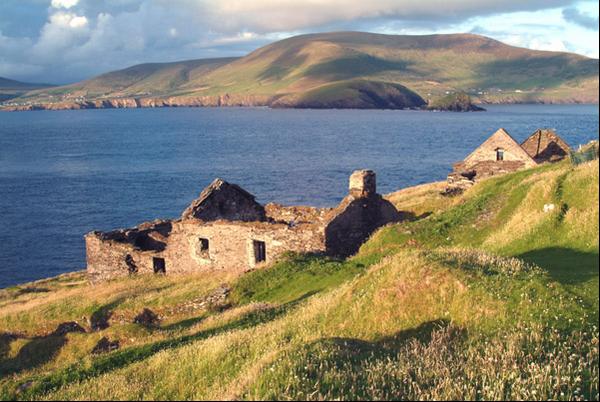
(484, 296)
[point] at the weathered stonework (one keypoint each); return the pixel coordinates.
(362, 183)
(354, 220)
(222, 200)
(226, 229)
(501, 154)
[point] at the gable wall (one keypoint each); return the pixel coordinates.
(487, 152)
(355, 219)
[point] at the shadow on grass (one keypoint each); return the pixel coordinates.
(350, 348)
(184, 324)
(565, 265)
(119, 359)
(35, 353)
(100, 317)
(343, 367)
(5, 340)
(31, 289)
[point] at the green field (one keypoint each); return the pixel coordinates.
(481, 296)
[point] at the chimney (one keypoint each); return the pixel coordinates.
(362, 183)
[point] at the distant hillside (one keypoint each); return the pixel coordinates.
(12, 89)
(290, 72)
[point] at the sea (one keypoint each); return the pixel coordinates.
(66, 173)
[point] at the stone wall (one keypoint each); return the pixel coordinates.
(231, 243)
(362, 183)
(107, 259)
(295, 214)
(227, 245)
(484, 169)
(354, 220)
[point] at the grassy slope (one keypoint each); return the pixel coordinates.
(425, 64)
(429, 65)
(433, 308)
(358, 93)
(10, 88)
(153, 79)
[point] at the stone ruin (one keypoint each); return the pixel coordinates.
(225, 228)
(501, 154)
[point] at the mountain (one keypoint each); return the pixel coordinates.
(12, 89)
(480, 296)
(294, 72)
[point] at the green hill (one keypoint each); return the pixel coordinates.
(11, 89)
(481, 296)
(292, 70)
(141, 80)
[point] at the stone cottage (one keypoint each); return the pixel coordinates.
(501, 153)
(226, 228)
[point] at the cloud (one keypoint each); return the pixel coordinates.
(81, 38)
(266, 16)
(577, 17)
(64, 3)
(67, 20)
(553, 45)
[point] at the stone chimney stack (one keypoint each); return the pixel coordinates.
(362, 183)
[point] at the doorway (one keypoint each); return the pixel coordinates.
(260, 251)
(159, 265)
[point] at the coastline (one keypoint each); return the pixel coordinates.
(135, 103)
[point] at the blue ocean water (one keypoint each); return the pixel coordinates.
(65, 173)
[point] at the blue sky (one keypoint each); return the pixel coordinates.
(62, 41)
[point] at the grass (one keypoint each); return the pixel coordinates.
(481, 296)
(293, 279)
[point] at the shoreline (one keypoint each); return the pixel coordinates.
(227, 102)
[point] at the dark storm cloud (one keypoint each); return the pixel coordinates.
(577, 17)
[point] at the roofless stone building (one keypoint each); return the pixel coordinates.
(501, 153)
(226, 229)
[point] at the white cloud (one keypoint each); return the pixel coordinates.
(554, 45)
(62, 19)
(64, 3)
(78, 22)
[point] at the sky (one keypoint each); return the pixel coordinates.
(63, 41)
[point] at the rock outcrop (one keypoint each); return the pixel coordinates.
(457, 102)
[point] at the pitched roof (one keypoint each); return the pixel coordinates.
(545, 144)
(507, 142)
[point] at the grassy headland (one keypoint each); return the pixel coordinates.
(481, 296)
